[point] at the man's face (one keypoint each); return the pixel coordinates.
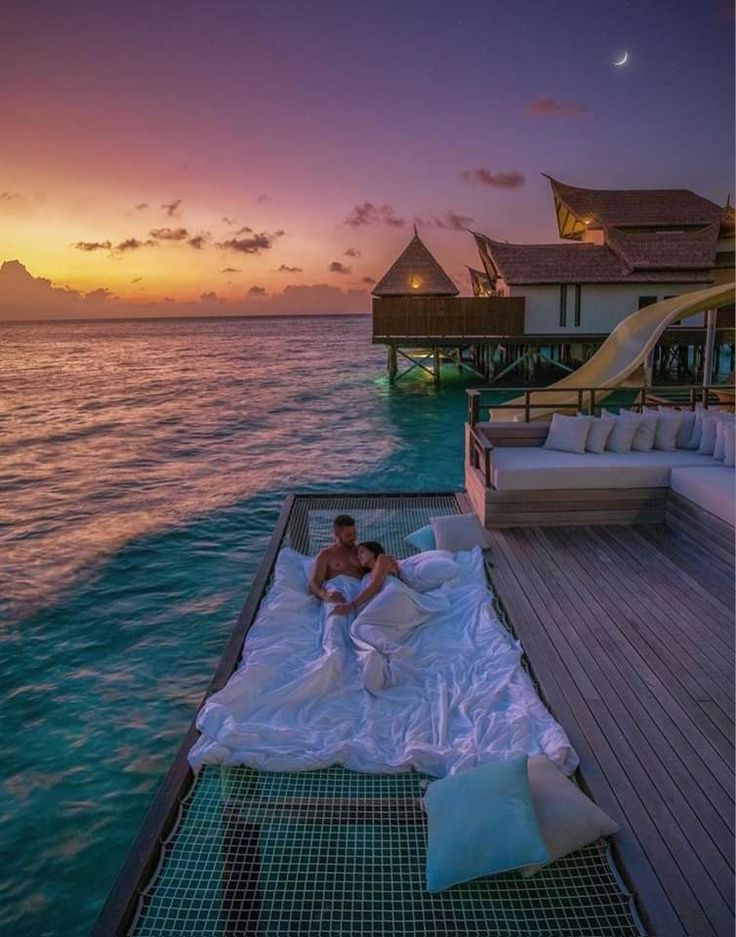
(346, 536)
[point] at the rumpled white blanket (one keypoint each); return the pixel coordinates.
(447, 689)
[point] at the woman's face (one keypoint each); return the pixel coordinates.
(366, 557)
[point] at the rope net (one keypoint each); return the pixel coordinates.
(335, 852)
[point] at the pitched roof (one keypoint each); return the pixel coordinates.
(638, 207)
(415, 273)
(693, 249)
(574, 263)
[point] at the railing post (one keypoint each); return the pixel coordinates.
(527, 406)
(592, 401)
(580, 400)
(473, 407)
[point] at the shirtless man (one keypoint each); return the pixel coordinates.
(341, 558)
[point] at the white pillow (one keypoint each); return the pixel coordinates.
(668, 425)
(292, 570)
(598, 434)
(697, 432)
(622, 434)
(568, 433)
(428, 570)
(708, 435)
(455, 532)
(646, 429)
(685, 430)
(729, 447)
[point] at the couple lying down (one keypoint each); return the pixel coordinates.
(383, 598)
(447, 689)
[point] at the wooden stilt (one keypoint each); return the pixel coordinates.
(437, 366)
(392, 364)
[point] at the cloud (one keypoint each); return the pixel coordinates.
(369, 280)
(501, 180)
(367, 214)
(141, 206)
(198, 241)
(9, 196)
(227, 220)
(285, 268)
(171, 208)
(337, 267)
(170, 234)
(257, 291)
(93, 246)
(25, 297)
(254, 244)
(262, 199)
(553, 107)
(352, 252)
(450, 221)
(231, 270)
(133, 244)
(136, 279)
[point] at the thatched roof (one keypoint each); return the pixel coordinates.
(631, 208)
(693, 249)
(415, 273)
(574, 263)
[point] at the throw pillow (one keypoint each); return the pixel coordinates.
(668, 426)
(646, 429)
(422, 539)
(729, 447)
(568, 433)
(567, 818)
(719, 448)
(697, 432)
(708, 435)
(622, 434)
(458, 532)
(481, 822)
(428, 570)
(685, 430)
(598, 434)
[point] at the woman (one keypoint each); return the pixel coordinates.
(386, 612)
(374, 560)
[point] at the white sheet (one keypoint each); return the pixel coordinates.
(456, 694)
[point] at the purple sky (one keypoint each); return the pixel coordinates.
(283, 150)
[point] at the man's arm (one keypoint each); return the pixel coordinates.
(316, 581)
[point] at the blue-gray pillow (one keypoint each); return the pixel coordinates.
(481, 822)
(422, 539)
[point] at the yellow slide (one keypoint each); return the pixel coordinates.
(623, 352)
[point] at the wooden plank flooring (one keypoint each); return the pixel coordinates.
(630, 633)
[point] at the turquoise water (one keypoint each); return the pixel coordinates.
(142, 469)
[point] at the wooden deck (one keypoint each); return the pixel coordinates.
(630, 633)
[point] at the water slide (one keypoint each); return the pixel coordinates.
(621, 358)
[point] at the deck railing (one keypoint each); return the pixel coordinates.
(588, 399)
(447, 317)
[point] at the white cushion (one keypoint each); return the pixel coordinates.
(719, 449)
(668, 425)
(567, 433)
(729, 446)
(708, 435)
(710, 488)
(458, 532)
(622, 434)
(686, 426)
(697, 430)
(428, 570)
(598, 434)
(646, 428)
(530, 468)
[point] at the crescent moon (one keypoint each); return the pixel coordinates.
(623, 60)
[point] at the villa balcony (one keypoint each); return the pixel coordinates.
(453, 320)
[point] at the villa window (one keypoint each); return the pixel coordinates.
(577, 305)
(563, 305)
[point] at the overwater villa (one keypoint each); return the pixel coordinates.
(523, 726)
(619, 250)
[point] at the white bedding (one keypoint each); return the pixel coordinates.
(448, 689)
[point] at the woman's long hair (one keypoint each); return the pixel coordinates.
(373, 546)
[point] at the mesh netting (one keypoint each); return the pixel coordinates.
(334, 852)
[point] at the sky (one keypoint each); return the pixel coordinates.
(180, 158)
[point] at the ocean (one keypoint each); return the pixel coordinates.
(142, 468)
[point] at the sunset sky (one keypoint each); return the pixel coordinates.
(242, 157)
